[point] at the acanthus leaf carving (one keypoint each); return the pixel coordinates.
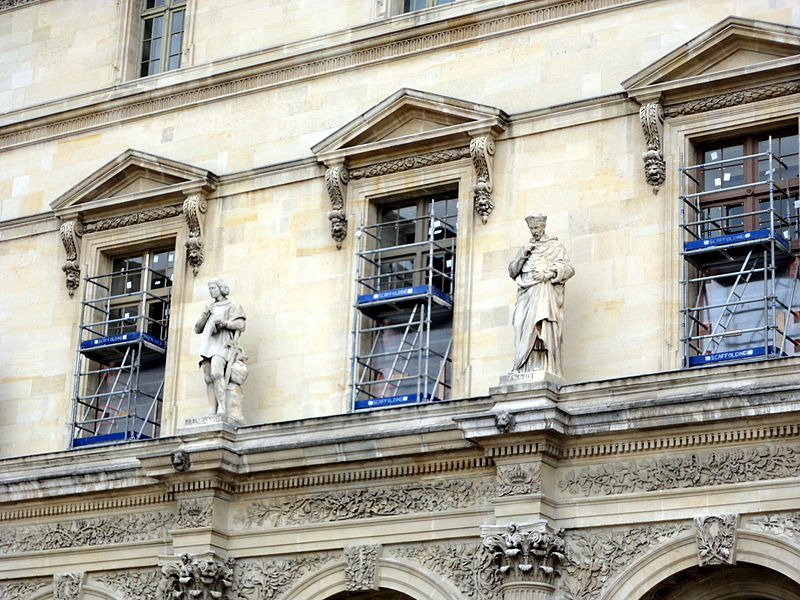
(71, 233)
(263, 579)
(132, 584)
(755, 94)
(716, 468)
(204, 579)
(68, 586)
(407, 163)
(15, 590)
(482, 152)
(194, 209)
(336, 179)
(365, 503)
(531, 553)
(785, 524)
(518, 479)
(594, 558)
(716, 539)
(194, 512)
(361, 566)
(651, 116)
(466, 565)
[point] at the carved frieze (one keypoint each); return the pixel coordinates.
(364, 503)
(194, 210)
(361, 567)
(133, 584)
(755, 94)
(716, 539)
(482, 152)
(336, 179)
(204, 579)
(465, 565)
(68, 586)
(594, 558)
(519, 479)
(194, 512)
(86, 532)
(786, 524)
(17, 590)
(71, 233)
(526, 553)
(651, 116)
(695, 470)
(410, 162)
(262, 579)
(135, 218)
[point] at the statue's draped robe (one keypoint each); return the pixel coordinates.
(539, 311)
(218, 343)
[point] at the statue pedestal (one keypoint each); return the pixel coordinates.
(531, 380)
(208, 423)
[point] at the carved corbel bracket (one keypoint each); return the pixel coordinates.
(651, 116)
(194, 210)
(336, 179)
(481, 150)
(71, 233)
(716, 539)
(68, 586)
(203, 579)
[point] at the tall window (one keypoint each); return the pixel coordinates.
(119, 379)
(162, 35)
(414, 5)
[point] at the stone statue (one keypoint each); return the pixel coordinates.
(540, 269)
(220, 326)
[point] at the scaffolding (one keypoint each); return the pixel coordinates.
(119, 363)
(402, 335)
(739, 284)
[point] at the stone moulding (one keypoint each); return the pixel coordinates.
(715, 468)
(373, 51)
(526, 553)
(194, 210)
(755, 94)
(365, 503)
(200, 579)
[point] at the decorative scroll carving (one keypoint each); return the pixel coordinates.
(205, 579)
(467, 566)
(364, 503)
(764, 92)
(194, 512)
(716, 539)
(71, 232)
(336, 179)
(68, 586)
(86, 532)
(520, 479)
(482, 151)
(592, 559)
(651, 116)
(531, 554)
(410, 162)
(135, 218)
(505, 421)
(361, 567)
(181, 461)
(780, 524)
(261, 579)
(716, 468)
(194, 209)
(133, 584)
(15, 590)
(4, 4)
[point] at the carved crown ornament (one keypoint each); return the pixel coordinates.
(742, 60)
(410, 130)
(133, 189)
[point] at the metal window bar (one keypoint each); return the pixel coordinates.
(730, 265)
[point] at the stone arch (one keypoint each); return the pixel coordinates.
(679, 555)
(89, 592)
(401, 576)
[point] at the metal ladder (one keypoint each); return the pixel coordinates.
(400, 351)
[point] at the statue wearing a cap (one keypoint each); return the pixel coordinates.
(540, 269)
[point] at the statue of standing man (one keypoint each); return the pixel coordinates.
(221, 357)
(540, 269)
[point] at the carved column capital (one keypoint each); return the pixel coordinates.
(361, 567)
(716, 539)
(336, 179)
(71, 233)
(651, 116)
(481, 150)
(527, 558)
(199, 579)
(68, 586)
(194, 210)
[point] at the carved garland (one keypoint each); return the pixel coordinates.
(716, 539)
(361, 565)
(261, 579)
(780, 524)
(133, 584)
(14, 590)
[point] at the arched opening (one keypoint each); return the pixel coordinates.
(380, 594)
(741, 582)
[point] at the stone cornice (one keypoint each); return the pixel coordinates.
(283, 65)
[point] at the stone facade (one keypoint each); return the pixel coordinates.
(257, 161)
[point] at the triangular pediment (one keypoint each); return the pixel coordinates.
(133, 176)
(407, 118)
(732, 47)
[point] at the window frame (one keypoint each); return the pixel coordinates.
(168, 11)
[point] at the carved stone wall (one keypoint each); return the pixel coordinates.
(519, 479)
(361, 565)
(269, 579)
(133, 584)
(716, 539)
(22, 588)
(194, 512)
